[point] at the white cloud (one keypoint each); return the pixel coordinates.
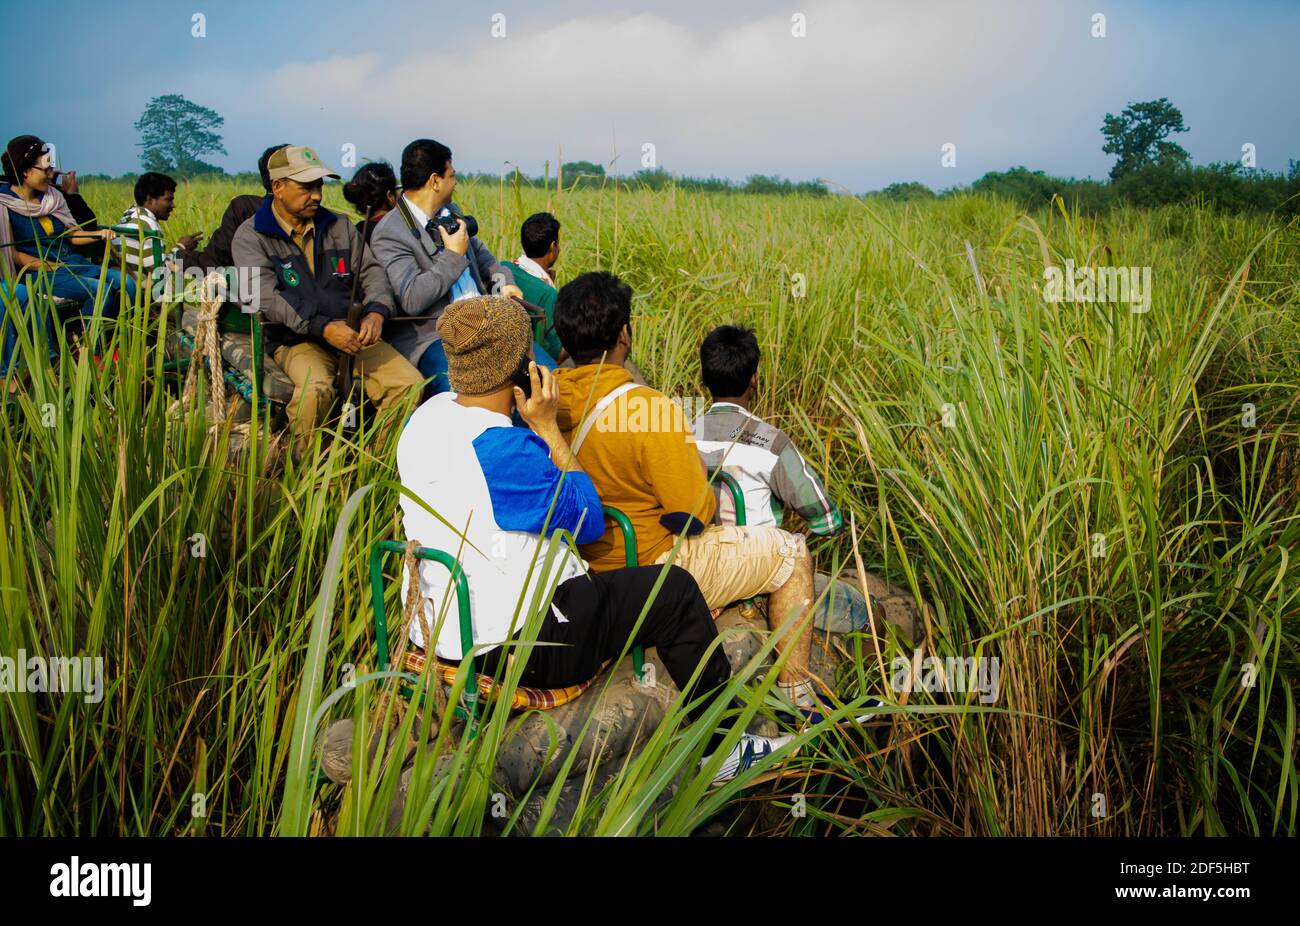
(867, 97)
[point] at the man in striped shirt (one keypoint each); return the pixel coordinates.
(771, 471)
(155, 198)
(760, 456)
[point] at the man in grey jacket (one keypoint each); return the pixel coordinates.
(305, 257)
(429, 268)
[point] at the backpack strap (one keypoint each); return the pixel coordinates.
(598, 410)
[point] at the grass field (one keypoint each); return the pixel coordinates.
(1107, 501)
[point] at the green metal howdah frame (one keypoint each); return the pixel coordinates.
(737, 496)
(154, 239)
(142, 235)
(737, 502)
(231, 319)
(384, 547)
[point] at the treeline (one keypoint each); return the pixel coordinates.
(1150, 169)
(587, 174)
(579, 175)
(1228, 186)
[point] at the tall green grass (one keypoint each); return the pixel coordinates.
(982, 439)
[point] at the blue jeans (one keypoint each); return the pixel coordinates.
(81, 281)
(9, 328)
(433, 365)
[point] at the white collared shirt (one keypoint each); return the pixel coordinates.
(464, 287)
(533, 268)
(417, 213)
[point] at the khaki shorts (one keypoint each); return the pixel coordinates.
(732, 563)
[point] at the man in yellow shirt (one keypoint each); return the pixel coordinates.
(637, 447)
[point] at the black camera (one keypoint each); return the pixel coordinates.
(449, 220)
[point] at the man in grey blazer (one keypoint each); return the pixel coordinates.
(426, 273)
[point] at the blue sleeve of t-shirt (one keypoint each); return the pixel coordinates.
(523, 482)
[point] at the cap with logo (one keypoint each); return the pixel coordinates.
(298, 162)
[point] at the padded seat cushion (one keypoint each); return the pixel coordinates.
(525, 699)
(237, 351)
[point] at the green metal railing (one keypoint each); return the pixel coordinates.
(142, 234)
(384, 547)
(232, 319)
(737, 496)
(154, 238)
(624, 524)
(377, 553)
(737, 502)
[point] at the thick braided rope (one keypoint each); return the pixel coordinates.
(414, 606)
(207, 346)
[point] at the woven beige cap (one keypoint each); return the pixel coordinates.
(484, 338)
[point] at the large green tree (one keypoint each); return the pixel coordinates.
(1137, 136)
(175, 133)
(590, 168)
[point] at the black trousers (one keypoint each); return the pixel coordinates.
(593, 617)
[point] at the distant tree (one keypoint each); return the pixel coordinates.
(651, 179)
(760, 183)
(1034, 189)
(584, 167)
(582, 174)
(905, 192)
(1137, 136)
(175, 133)
(703, 184)
(573, 168)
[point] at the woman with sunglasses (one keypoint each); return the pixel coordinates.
(38, 234)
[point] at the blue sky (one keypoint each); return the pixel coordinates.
(869, 96)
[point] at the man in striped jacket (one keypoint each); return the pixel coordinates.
(762, 458)
(772, 473)
(155, 198)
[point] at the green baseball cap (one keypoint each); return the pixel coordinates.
(298, 162)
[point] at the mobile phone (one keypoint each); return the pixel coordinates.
(521, 378)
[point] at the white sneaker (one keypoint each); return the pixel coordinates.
(744, 754)
(815, 715)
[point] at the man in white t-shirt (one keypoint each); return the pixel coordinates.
(502, 494)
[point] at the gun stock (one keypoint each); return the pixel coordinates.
(345, 375)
